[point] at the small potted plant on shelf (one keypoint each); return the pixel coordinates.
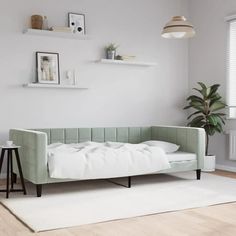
(111, 51)
(207, 116)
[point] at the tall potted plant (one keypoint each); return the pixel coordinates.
(207, 116)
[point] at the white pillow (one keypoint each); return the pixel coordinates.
(136, 146)
(166, 146)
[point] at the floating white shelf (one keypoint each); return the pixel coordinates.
(57, 86)
(131, 63)
(49, 33)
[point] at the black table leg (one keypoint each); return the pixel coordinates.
(1, 159)
(11, 168)
(9, 154)
(20, 171)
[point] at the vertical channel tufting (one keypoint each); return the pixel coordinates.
(134, 135)
(122, 135)
(85, 134)
(146, 134)
(98, 134)
(162, 134)
(57, 136)
(154, 133)
(64, 134)
(172, 135)
(110, 134)
(71, 135)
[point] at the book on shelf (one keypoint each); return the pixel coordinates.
(128, 57)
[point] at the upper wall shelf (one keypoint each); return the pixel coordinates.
(131, 63)
(58, 86)
(48, 33)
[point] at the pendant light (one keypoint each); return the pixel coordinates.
(178, 28)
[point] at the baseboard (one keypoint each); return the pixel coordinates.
(227, 168)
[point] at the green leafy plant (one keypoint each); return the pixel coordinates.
(111, 47)
(207, 107)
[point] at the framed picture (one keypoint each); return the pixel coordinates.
(47, 65)
(77, 23)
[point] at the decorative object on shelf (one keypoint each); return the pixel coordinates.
(207, 116)
(128, 57)
(37, 22)
(178, 28)
(9, 143)
(47, 65)
(61, 29)
(45, 23)
(119, 57)
(77, 22)
(111, 51)
(71, 77)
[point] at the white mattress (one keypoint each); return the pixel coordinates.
(181, 156)
(91, 160)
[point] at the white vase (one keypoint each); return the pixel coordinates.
(209, 163)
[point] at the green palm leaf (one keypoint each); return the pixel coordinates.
(213, 120)
(218, 105)
(195, 98)
(195, 113)
(206, 104)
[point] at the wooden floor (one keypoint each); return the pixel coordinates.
(217, 220)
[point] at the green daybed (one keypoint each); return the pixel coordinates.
(33, 151)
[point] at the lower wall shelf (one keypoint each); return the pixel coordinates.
(57, 86)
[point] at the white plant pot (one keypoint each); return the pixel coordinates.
(209, 163)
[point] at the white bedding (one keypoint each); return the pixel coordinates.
(91, 160)
(181, 156)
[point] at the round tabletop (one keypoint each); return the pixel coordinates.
(10, 147)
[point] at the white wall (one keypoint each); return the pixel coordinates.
(118, 95)
(208, 58)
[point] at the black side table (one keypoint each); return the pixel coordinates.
(9, 151)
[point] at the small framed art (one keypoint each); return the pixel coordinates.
(47, 65)
(77, 23)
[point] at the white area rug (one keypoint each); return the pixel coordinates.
(86, 202)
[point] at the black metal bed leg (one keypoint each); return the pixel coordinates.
(129, 182)
(123, 185)
(39, 190)
(198, 173)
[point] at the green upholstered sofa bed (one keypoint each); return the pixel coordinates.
(33, 151)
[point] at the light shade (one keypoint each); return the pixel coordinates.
(178, 28)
